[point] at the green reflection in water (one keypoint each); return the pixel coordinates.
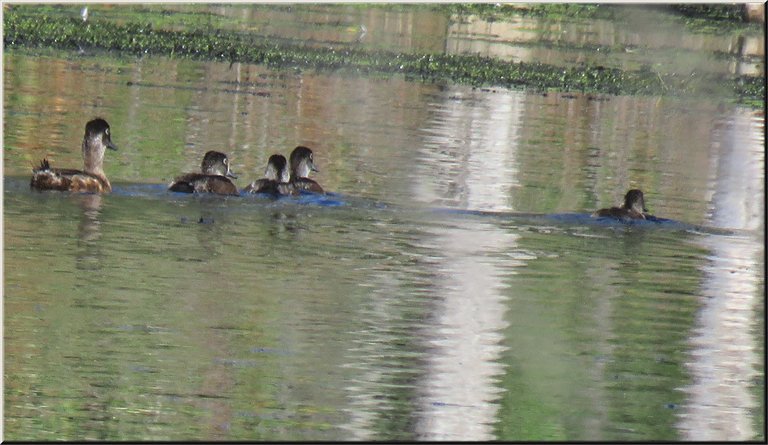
(273, 322)
(141, 38)
(597, 336)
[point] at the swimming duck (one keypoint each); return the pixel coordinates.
(276, 177)
(213, 179)
(91, 178)
(301, 164)
(633, 208)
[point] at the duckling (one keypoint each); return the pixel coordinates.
(213, 179)
(275, 176)
(633, 208)
(302, 163)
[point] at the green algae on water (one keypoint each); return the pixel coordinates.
(69, 33)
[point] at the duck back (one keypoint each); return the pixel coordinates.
(263, 185)
(202, 183)
(45, 177)
(618, 213)
(306, 184)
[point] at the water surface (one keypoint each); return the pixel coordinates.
(453, 286)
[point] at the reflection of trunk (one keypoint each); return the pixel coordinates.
(460, 391)
(724, 351)
(754, 12)
(537, 40)
(736, 180)
(748, 53)
(468, 161)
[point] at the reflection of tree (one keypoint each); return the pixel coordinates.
(467, 160)
(724, 346)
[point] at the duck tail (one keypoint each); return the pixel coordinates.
(44, 166)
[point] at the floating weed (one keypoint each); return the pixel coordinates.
(142, 39)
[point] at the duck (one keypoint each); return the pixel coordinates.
(633, 208)
(276, 177)
(213, 179)
(301, 162)
(91, 178)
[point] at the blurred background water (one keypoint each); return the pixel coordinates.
(452, 287)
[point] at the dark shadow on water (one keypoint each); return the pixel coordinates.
(215, 205)
(586, 219)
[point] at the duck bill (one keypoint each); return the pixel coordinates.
(231, 174)
(111, 146)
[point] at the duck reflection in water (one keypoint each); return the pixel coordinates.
(89, 255)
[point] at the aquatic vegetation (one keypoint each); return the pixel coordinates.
(69, 33)
(722, 12)
(715, 18)
(505, 11)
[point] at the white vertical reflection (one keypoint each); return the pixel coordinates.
(467, 161)
(382, 325)
(724, 345)
(468, 156)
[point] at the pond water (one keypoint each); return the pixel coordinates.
(452, 285)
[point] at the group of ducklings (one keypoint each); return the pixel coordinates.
(214, 177)
(278, 179)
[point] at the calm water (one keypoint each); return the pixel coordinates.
(452, 287)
